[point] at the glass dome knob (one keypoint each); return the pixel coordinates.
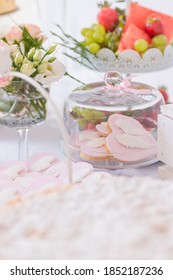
(113, 78)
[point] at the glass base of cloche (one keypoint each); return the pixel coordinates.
(130, 61)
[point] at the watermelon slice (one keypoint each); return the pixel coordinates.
(139, 14)
(132, 34)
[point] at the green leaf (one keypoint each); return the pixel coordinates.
(30, 42)
(52, 59)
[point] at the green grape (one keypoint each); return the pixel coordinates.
(93, 26)
(99, 28)
(83, 31)
(89, 42)
(89, 34)
(97, 36)
(94, 48)
(159, 40)
(161, 48)
(141, 45)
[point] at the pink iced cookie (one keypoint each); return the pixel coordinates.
(119, 123)
(129, 148)
(41, 182)
(82, 136)
(4, 179)
(103, 128)
(55, 169)
(26, 179)
(10, 185)
(8, 189)
(40, 162)
(97, 176)
(7, 183)
(88, 135)
(13, 169)
(80, 170)
(94, 149)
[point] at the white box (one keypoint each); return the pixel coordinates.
(165, 173)
(165, 139)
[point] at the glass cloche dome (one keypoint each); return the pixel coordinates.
(113, 123)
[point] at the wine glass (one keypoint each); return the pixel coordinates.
(21, 107)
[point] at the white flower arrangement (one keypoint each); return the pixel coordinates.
(22, 50)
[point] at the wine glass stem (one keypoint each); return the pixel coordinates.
(22, 143)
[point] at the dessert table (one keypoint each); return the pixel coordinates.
(126, 216)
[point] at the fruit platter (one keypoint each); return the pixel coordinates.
(140, 40)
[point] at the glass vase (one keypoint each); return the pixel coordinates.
(21, 107)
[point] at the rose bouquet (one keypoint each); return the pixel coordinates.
(22, 50)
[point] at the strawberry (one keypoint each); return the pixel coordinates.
(154, 26)
(163, 91)
(108, 17)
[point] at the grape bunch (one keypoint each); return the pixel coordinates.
(106, 33)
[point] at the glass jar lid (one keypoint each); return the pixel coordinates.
(115, 91)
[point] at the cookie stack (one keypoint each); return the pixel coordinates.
(121, 138)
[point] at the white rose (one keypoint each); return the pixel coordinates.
(54, 72)
(27, 69)
(5, 59)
